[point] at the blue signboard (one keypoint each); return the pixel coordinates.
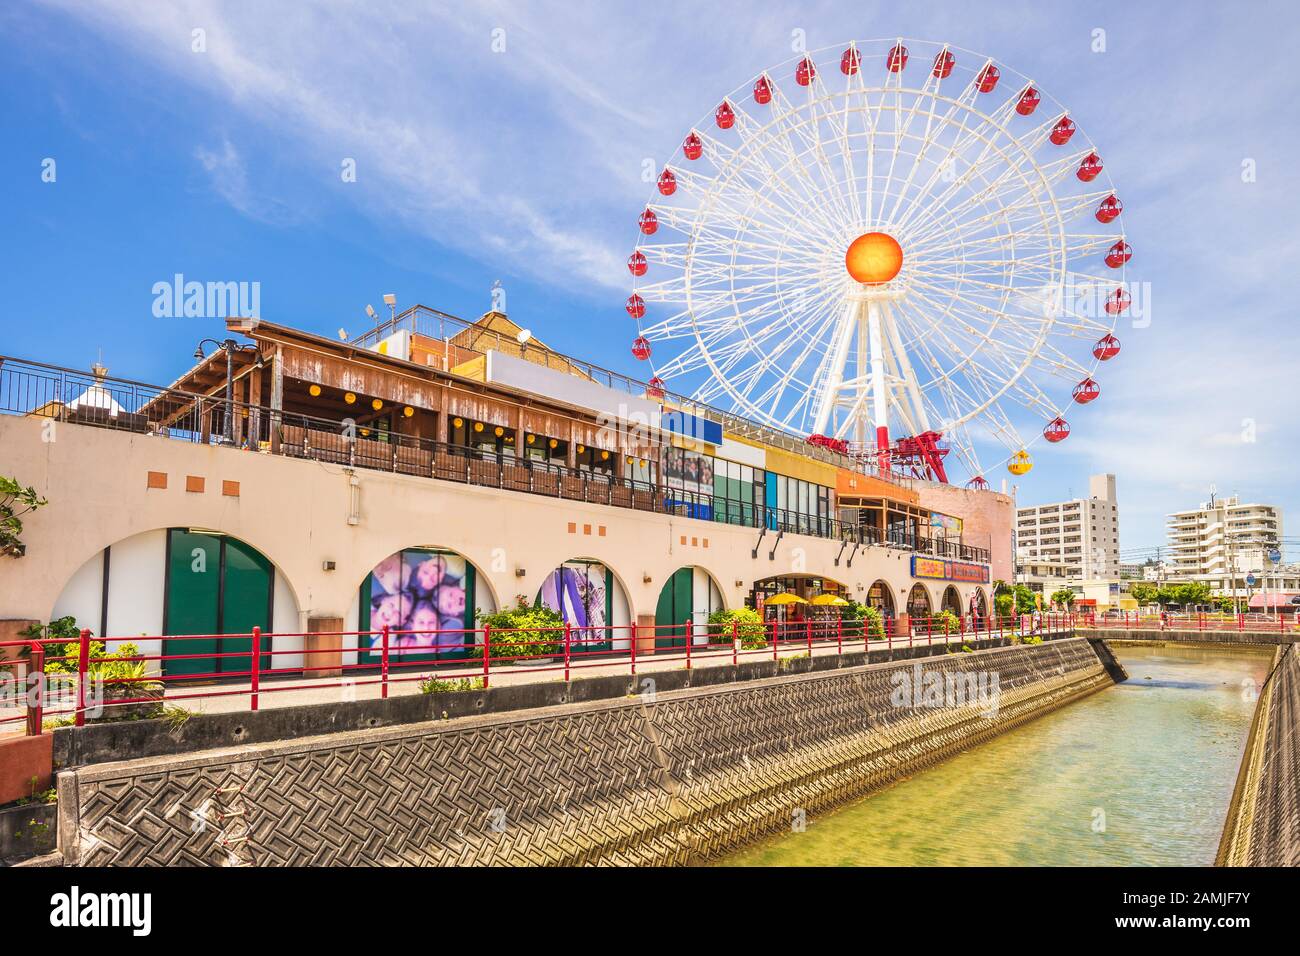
(691, 426)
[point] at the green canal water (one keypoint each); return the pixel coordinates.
(1137, 774)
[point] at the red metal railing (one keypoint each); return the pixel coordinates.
(1199, 621)
(387, 657)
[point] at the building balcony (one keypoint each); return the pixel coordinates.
(66, 396)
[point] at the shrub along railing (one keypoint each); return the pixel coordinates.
(64, 681)
(64, 395)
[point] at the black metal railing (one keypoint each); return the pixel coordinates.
(64, 395)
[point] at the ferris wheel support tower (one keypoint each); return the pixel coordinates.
(881, 367)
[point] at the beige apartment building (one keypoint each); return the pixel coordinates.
(1077, 539)
(1223, 541)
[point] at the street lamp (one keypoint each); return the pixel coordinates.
(230, 346)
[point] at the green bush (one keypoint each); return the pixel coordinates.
(102, 665)
(742, 621)
(524, 631)
(858, 617)
(1004, 605)
(945, 622)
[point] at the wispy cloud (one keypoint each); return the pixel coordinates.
(228, 177)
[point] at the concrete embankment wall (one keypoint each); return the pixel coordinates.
(1263, 825)
(671, 778)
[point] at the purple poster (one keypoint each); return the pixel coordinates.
(577, 592)
(421, 598)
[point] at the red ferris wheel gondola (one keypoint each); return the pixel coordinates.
(805, 72)
(897, 59)
(1090, 168)
(636, 263)
(978, 483)
(1086, 391)
(655, 387)
(850, 62)
(1107, 347)
(1029, 101)
(667, 182)
(635, 306)
(944, 61)
(763, 91)
(724, 115)
(641, 348)
(693, 146)
(1062, 131)
(1058, 429)
(1109, 209)
(988, 78)
(649, 222)
(1119, 254)
(1118, 302)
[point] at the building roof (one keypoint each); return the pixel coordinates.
(1275, 599)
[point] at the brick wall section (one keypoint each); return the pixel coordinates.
(680, 778)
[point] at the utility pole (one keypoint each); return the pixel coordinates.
(1232, 565)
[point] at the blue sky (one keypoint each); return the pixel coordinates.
(525, 166)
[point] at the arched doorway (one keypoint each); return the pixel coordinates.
(918, 602)
(587, 596)
(881, 597)
(952, 600)
(689, 594)
(795, 618)
(426, 597)
(182, 581)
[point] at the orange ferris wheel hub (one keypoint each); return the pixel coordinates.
(874, 258)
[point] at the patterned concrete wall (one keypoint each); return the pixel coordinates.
(659, 779)
(1263, 826)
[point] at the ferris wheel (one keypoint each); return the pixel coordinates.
(899, 249)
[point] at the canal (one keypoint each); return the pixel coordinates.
(1137, 774)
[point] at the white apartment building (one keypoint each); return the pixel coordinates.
(1082, 534)
(1223, 541)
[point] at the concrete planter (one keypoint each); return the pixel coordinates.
(151, 706)
(27, 831)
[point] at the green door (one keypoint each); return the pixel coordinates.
(245, 603)
(675, 608)
(192, 599)
(216, 585)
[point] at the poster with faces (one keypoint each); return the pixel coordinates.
(421, 598)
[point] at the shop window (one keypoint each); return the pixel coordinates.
(598, 460)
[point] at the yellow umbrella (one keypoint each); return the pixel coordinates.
(784, 598)
(830, 600)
